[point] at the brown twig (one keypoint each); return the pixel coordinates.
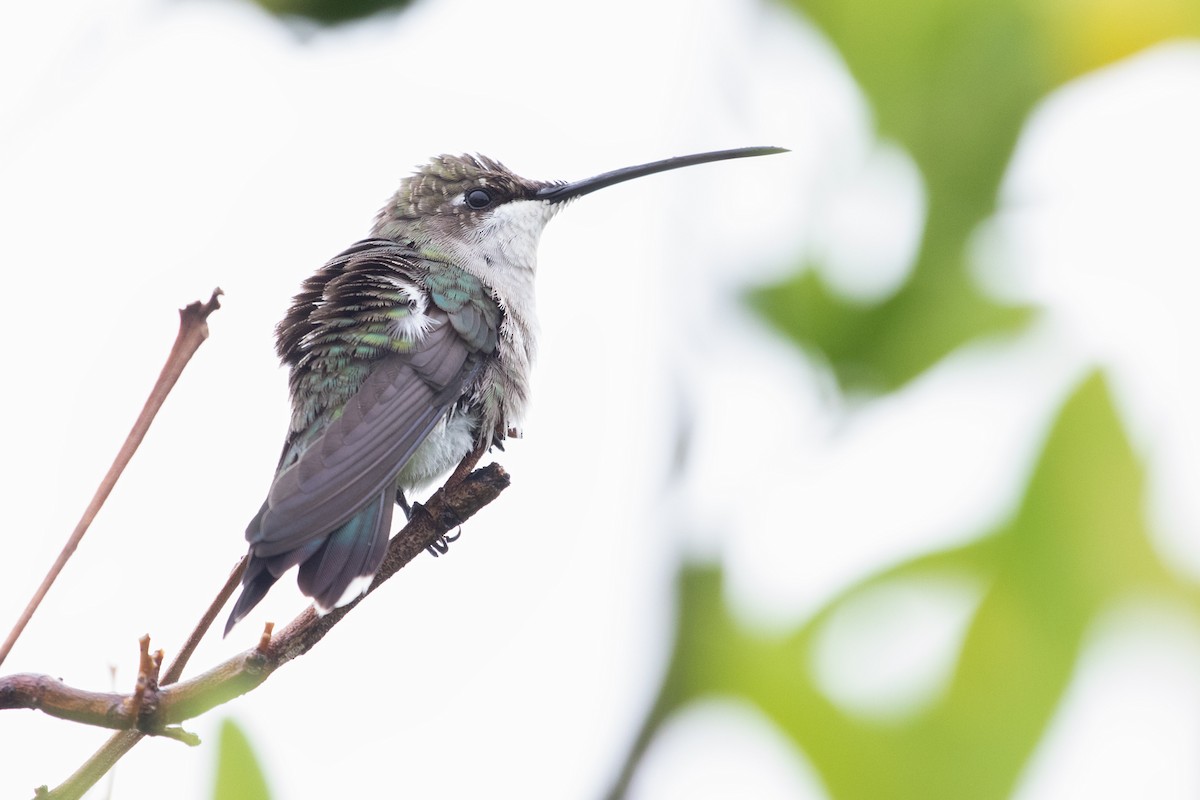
(175, 671)
(193, 330)
(172, 704)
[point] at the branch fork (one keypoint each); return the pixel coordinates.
(157, 706)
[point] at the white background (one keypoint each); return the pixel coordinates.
(150, 151)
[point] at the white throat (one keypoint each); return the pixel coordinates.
(509, 235)
(502, 251)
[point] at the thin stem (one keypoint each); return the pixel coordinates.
(193, 330)
(448, 508)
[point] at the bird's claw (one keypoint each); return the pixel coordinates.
(402, 501)
(441, 545)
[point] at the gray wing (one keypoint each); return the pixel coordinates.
(358, 454)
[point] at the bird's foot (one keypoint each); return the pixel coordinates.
(402, 501)
(442, 545)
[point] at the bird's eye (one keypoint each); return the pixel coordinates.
(479, 198)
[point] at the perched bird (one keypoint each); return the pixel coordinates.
(410, 352)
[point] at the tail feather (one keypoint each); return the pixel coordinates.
(349, 557)
(333, 570)
(256, 581)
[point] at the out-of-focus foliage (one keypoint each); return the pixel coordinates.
(952, 81)
(1076, 543)
(239, 776)
(330, 12)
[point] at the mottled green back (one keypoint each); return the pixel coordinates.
(473, 311)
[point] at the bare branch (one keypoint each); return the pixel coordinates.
(193, 330)
(121, 743)
(175, 671)
(160, 709)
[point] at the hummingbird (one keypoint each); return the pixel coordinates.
(410, 352)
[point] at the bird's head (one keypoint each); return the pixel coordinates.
(478, 214)
(470, 210)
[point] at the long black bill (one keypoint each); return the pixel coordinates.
(565, 191)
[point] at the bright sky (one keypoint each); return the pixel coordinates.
(150, 151)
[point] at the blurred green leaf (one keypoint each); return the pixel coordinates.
(879, 348)
(330, 12)
(952, 81)
(239, 777)
(1077, 542)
